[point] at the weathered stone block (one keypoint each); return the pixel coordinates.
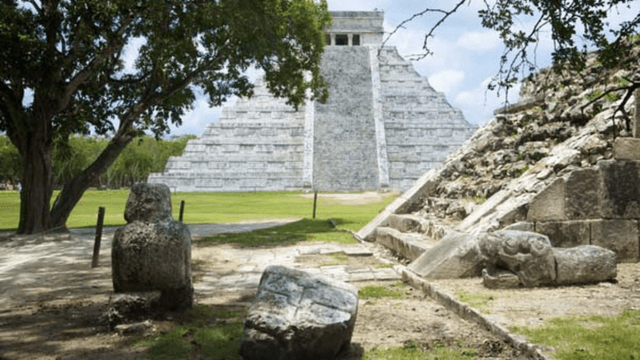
(584, 264)
(409, 245)
(626, 149)
(521, 226)
(153, 252)
(298, 316)
(406, 223)
(620, 236)
(619, 193)
(548, 204)
(457, 255)
(566, 234)
(581, 194)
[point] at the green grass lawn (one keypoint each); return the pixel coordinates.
(204, 208)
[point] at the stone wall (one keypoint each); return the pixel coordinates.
(344, 129)
(595, 206)
(258, 145)
(421, 127)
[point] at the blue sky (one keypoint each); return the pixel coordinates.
(466, 56)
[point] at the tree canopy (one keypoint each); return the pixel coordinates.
(65, 70)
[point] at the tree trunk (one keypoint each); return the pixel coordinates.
(35, 216)
(75, 188)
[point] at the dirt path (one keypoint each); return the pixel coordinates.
(52, 301)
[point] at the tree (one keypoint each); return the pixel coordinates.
(70, 56)
(576, 27)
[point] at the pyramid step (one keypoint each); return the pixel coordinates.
(407, 223)
(408, 245)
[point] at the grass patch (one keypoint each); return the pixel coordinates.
(203, 208)
(377, 291)
(589, 337)
(303, 230)
(211, 332)
(384, 265)
(415, 351)
(478, 301)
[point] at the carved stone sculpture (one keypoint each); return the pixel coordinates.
(299, 316)
(153, 252)
(530, 257)
(527, 254)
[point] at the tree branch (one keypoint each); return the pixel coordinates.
(93, 66)
(433, 29)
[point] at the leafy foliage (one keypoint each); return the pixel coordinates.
(135, 163)
(125, 67)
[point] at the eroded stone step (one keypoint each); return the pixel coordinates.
(407, 223)
(408, 245)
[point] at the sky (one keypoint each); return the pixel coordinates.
(466, 56)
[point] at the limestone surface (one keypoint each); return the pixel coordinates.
(153, 252)
(297, 316)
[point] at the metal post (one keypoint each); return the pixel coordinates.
(96, 244)
(315, 201)
(181, 210)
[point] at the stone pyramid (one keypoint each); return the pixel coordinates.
(383, 126)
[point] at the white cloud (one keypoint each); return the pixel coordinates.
(478, 103)
(447, 80)
(480, 41)
(194, 121)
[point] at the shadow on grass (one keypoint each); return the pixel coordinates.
(302, 230)
(205, 330)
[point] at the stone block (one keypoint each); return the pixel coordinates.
(455, 256)
(620, 236)
(406, 223)
(619, 193)
(626, 149)
(521, 226)
(581, 194)
(584, 264)
(548, 204)
(565, 234)
(408, 245)
(298, 316)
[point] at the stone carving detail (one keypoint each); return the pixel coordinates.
(153, 252)
(510, 258)
(530, 257)
(298, 316)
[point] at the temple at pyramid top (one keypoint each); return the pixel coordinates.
(355, 28)
(382, 127)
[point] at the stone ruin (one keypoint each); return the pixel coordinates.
(299, 316)
(151, 254)
(382, 127)
(548, 170)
